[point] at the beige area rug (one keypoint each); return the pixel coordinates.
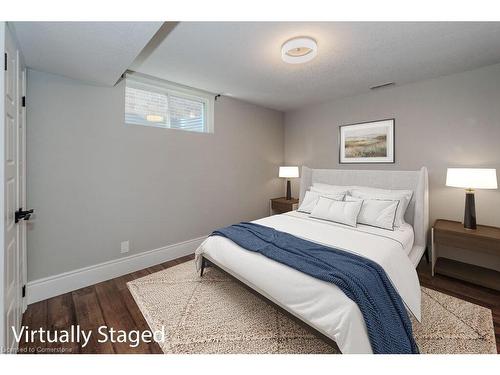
(216, 314)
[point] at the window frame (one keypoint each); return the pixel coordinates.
(157, 85)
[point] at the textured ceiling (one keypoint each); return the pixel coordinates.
(243, 59)
(97, 52)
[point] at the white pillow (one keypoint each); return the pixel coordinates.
(338, 211)
(376, 212)
(311, 199)
(329, 189)
(403, 196)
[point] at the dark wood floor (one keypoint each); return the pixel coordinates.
(110, 303)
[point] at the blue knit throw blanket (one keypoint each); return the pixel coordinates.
(362, 280)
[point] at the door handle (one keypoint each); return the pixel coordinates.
(22, 215)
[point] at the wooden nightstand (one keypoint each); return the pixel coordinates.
(282, 205)
(484, 239)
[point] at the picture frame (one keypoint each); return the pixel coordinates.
(371, 142)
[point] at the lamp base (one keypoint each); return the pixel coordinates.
(288, 190)
(470, 210)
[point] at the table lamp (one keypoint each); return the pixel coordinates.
(470, 179)
(289, 172)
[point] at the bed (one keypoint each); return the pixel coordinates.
(320, 304)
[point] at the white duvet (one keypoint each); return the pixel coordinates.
(321, 304)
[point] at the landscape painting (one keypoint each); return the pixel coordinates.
(369, 142)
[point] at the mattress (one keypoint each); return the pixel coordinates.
(320, 304)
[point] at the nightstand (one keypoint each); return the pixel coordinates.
(484, 239)
(282, 205)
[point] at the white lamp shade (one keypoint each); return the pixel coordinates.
(472, 178)
(289, 172)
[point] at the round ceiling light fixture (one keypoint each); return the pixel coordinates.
(299, 50)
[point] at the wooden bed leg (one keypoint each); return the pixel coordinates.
(427, 254)
(203, 263)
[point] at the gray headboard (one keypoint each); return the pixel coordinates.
(417, 213)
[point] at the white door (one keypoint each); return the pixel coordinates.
(21, 175)
(21, 166)
(13, 268)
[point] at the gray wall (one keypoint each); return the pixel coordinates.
(95, 182)
(444, 122)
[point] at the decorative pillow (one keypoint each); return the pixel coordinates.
(311, 199)
(403, 196)
(338, 211)
(376, 212)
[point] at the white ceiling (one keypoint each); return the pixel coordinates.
(243, 59)
(96, 52)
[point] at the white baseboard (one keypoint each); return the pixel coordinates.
(38, 290)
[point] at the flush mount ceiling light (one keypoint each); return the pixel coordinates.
(299, 50)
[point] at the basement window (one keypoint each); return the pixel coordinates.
(161, 104)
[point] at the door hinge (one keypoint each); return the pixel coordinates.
(24, 101)
(24, 291)
(5, 61)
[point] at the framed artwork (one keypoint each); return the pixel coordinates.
(367, 142)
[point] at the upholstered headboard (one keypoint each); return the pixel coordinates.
(417, 213)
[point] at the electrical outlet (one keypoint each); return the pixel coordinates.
(124, 247)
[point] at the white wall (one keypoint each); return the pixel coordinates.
(95, 182)
(440, 123)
